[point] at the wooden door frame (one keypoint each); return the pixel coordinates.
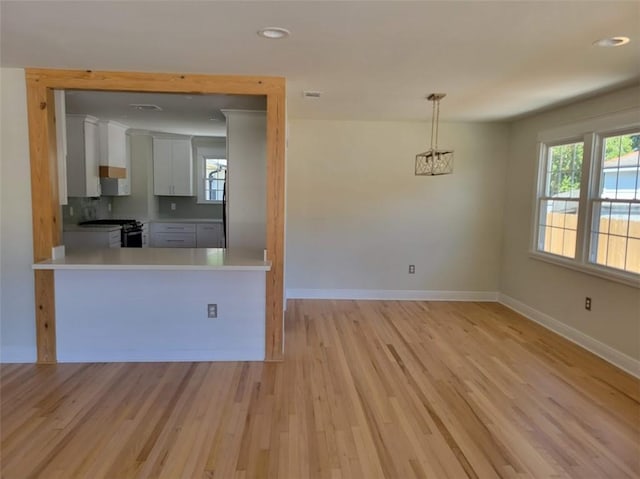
(47, 225)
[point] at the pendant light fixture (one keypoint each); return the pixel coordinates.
(434, 161)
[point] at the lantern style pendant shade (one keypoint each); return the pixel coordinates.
(434, 161)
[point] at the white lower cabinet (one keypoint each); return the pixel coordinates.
(187, 235)
(91, 239)
(173, 235)
(145, 234)
(209, 235)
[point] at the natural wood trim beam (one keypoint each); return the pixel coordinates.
(157, 82)
(45, 211)
(45, 316)
(276, 132)
(45, 205)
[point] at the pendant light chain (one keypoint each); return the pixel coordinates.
(434, 126)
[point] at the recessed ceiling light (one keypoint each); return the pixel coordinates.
(612, 42)
(274, 33)
(144, 107)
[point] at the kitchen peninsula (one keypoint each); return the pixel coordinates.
(153, 304)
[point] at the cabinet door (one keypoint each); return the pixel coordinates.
(117, 146)
(208, 235)
(91, 158)
(182, 168)
(162, 159)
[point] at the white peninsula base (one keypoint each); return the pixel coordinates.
(147, 313)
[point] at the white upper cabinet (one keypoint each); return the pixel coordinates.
(114, 156)
(162, 167)
(82, 156)
(113, 144)
(172, 167)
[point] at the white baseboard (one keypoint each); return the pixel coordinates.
(14, 354)
(177, 355)
(613, 356)
(392, 294)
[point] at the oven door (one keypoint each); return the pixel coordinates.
(132, 239)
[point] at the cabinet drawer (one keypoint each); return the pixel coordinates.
(173, 228)
(173, 240)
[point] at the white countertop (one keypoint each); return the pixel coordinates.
(164, 259)
(91, 228)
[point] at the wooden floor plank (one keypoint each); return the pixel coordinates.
(368, 389)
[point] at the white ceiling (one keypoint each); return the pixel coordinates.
(372, 60)
(198, 115)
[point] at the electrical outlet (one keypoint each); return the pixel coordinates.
(212, 310)
(587, 303)
(412, 269)
(173, 206)
(70, 210)
(109, 207)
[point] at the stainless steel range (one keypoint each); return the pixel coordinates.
(131, 235)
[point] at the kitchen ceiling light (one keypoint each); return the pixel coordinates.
(144, 107)
(612, 42)
(274, 33)
(434, 161)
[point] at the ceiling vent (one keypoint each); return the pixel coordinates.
(311, 94)
(144, 107)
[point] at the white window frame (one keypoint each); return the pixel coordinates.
(591, 132)
(201, 178)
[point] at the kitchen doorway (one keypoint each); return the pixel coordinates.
(41, 84)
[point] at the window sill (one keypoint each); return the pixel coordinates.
(628, 279)
(211, 202)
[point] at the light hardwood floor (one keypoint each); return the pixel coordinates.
(367, 390)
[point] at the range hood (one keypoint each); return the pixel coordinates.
(115, 172)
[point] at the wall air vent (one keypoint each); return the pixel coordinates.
(311, 94)
(144, 107)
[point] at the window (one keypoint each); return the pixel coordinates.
(213, 174)
(615, 229)
(588, 198)
(558, 206)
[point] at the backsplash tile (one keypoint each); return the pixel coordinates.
(86, 209)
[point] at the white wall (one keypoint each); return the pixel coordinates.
(553, 290)
(247, 173)
(17, 311)
(357, 215)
